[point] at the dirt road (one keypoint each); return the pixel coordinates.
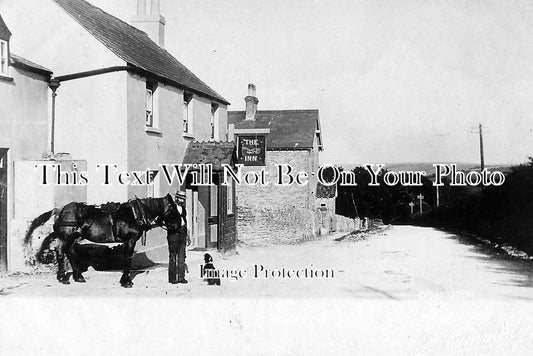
(401, 262)
(405, 290)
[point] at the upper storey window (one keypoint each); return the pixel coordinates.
(151, 105)
(187, 113)
(214, 122)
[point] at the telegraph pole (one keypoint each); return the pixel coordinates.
(480, 132)
(481, 147)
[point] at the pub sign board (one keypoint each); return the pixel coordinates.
(251, 150)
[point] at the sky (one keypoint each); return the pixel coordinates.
(394, 81)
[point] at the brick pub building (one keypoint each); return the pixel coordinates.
(290, 137)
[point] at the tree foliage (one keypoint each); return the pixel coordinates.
(389, 203)
(502, 214)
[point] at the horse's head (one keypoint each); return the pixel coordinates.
(163, 211)
(170, 214)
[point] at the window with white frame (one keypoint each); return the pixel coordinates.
(4, 58)
(151, 104)
(229, 197)
(153, 188)
(214, 121)
(187, 113)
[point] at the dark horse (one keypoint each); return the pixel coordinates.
(110, 223)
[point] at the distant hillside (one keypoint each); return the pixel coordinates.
(428, 166)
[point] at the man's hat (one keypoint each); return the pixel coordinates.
(180, 195)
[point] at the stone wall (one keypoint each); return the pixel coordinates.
(287, 214)
(279, 197)
(275, 225)
(328, 223)
(344, 224)
(276, 212)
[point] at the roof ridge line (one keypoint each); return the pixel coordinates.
(282, 110)
(214, 142)
(62, 3)
(104, 12)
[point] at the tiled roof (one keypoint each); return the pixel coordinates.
(323, 191)
(135, 47)
(4, 31)
(19, 62)
(289, 129)
(210, 152)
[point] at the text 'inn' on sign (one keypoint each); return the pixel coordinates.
(251, 150)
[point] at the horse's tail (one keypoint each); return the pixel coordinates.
(43, 255)
(38, 221)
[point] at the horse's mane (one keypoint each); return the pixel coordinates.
(155, 204)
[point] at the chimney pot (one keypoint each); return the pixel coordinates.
(251, 103)
(251, 90)
(149, 20)
(154, 7)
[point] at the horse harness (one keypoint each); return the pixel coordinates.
(109, 209)
(139, 212)
(137, 207)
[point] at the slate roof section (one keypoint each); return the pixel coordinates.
(4, 30)
(323, 191)
(289, 129)
(135, 47)
(210, 152)
(23, 63)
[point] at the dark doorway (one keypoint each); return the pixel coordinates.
(3, 209)
(213, 219)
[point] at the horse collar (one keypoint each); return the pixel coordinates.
(140, 214)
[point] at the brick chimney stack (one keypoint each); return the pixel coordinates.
(251, 103)
(149, 20)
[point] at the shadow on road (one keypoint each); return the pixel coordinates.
(520, 270)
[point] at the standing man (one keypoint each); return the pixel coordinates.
(178, 239)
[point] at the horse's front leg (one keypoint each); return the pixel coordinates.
(129, 247)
